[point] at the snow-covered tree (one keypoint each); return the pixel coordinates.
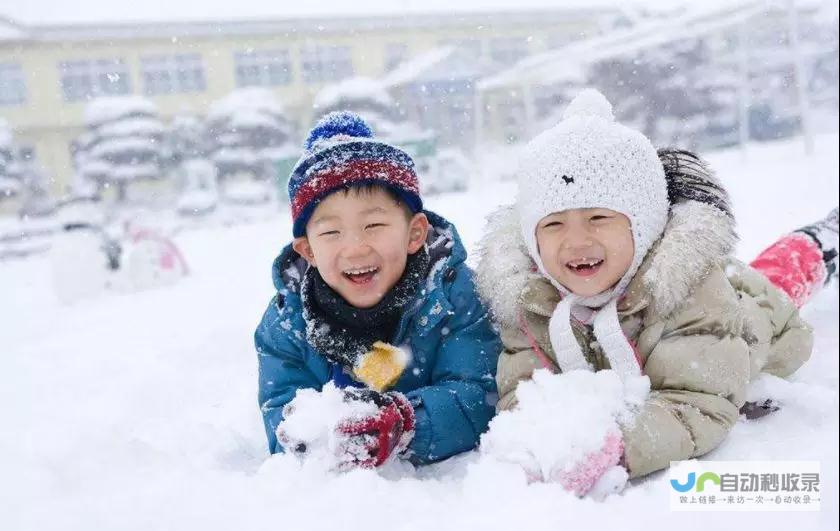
(440, 171)
(10, 175)
(36, 200)
(366, 97)
(672, 92)
(248, 133)
(187, 147)
(185, 139)
(123, 143)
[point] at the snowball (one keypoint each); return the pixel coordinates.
(312, 417)
(562, 417)
(589, 104)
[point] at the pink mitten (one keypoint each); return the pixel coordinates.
(588, 471)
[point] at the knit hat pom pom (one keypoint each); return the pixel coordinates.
(589, 104)
(338, 123)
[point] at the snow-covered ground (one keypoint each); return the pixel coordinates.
(138, 411)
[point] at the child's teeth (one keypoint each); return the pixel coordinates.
(581, 263)
(360, 271)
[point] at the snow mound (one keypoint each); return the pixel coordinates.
(561, 418)
(311, 419)
(589, 104)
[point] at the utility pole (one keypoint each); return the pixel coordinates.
(801, 80)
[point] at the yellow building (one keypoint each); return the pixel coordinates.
(48, 73)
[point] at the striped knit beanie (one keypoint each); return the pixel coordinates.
(341, 152)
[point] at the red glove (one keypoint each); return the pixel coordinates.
(372, 440)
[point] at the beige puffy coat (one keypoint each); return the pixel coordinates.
(703, 323)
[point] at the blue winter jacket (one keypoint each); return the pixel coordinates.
(450, 380)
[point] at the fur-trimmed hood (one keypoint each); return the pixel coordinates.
(700, 234)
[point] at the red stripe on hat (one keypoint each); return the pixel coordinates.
(317, 184)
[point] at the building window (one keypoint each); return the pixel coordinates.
(12, 84)
(321, 64)
(263, 68)
(506, 51)
(82, 80)
(170, 74)
(395, 53)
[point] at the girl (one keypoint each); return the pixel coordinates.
(616, 256)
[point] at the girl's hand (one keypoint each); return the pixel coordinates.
(599, 468)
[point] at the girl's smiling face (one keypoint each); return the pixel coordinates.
(587, 250)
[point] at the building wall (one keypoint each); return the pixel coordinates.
(49, 123)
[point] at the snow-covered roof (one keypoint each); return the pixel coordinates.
(411, 69)
(356, 88)
(61, 12)
(69, 21)
(11, 30)
(443, 63)
(570, 61)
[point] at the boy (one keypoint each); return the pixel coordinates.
(369, 270)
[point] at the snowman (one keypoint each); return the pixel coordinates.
(86, 260)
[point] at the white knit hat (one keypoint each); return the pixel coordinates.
(588, 160)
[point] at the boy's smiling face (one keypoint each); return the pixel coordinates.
(360, 239)
(587, 250)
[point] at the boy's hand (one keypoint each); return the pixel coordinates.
(372, 440)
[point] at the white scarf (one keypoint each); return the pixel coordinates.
(607, 330)
(602, 313)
